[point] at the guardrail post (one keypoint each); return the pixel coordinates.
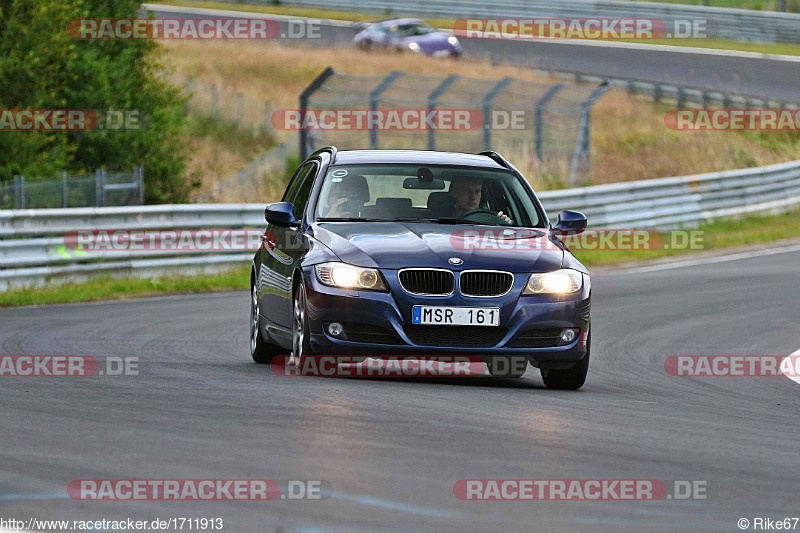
(539, 120)
(19, 191)
(705, 98)
(656, 92)
(432, 99)
(487, 109)
(374, 98)
(64, 189)
(681, 99)
(100, 187)
(311, 89)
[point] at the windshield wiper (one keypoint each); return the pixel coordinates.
(443, 220)
(350, 219)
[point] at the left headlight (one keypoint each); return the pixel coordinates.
(563, 281)
(346, 276)
(453, 40)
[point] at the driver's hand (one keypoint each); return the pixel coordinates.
(336, 209)
(505, 217)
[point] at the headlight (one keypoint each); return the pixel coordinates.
(414, 47)
(564, 281)
(346, 276)
(453, 40)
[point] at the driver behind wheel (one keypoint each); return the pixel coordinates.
(466, 195)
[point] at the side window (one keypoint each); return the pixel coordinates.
(305, 183)
(294, 183)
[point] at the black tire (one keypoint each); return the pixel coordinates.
(510, 367)
(301, 341)
(571, 378)
(261, 351)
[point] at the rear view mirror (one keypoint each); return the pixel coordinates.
(415, 183)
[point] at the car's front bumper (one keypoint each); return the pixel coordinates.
(392, 311)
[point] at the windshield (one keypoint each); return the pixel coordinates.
(409, 30)
(414, 193)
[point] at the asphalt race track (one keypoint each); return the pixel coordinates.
(750, 75)
(392, 449)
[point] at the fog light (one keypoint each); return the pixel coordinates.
(335, 329)
(567, 336)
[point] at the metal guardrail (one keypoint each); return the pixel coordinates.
(730, 23)
(33, 249)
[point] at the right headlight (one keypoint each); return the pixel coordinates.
(563, 281)
(414, 47)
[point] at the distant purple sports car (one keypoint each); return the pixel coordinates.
(408, 34)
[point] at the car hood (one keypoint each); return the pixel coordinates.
(395, 245)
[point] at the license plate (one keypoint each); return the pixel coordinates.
(455, 316)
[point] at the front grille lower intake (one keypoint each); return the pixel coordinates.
(455, 336)
(485, 282)
(427, 281)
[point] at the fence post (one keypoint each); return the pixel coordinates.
(189, 92)
(487, 109)
(581, 156)
(239, 108)
(19, 191)
(64, 188)
(100, 187)
(539, 119)
(432, 98)
(267, 117)
(311, 89)
(214, 101)
(374, 98)
(139, 172)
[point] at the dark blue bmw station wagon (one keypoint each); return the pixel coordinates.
(401, 253)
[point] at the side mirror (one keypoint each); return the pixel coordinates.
(281, 214)
(571, 221)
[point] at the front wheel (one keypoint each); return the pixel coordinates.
(261, 351)
(301, 345)
(571, 378)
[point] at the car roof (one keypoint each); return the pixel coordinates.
(415, 157)
(400, 21)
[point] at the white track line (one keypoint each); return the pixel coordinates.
(709, 260)
(796, 379)
(575, 42)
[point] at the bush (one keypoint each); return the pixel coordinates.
(42, 67)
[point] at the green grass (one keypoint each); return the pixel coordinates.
(238, 140)
(107, 288)
(750, 230)
(717, 44)
(745, 231)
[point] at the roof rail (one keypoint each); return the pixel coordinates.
(497, 158)
(330, 149)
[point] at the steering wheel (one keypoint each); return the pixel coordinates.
(486, 216)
